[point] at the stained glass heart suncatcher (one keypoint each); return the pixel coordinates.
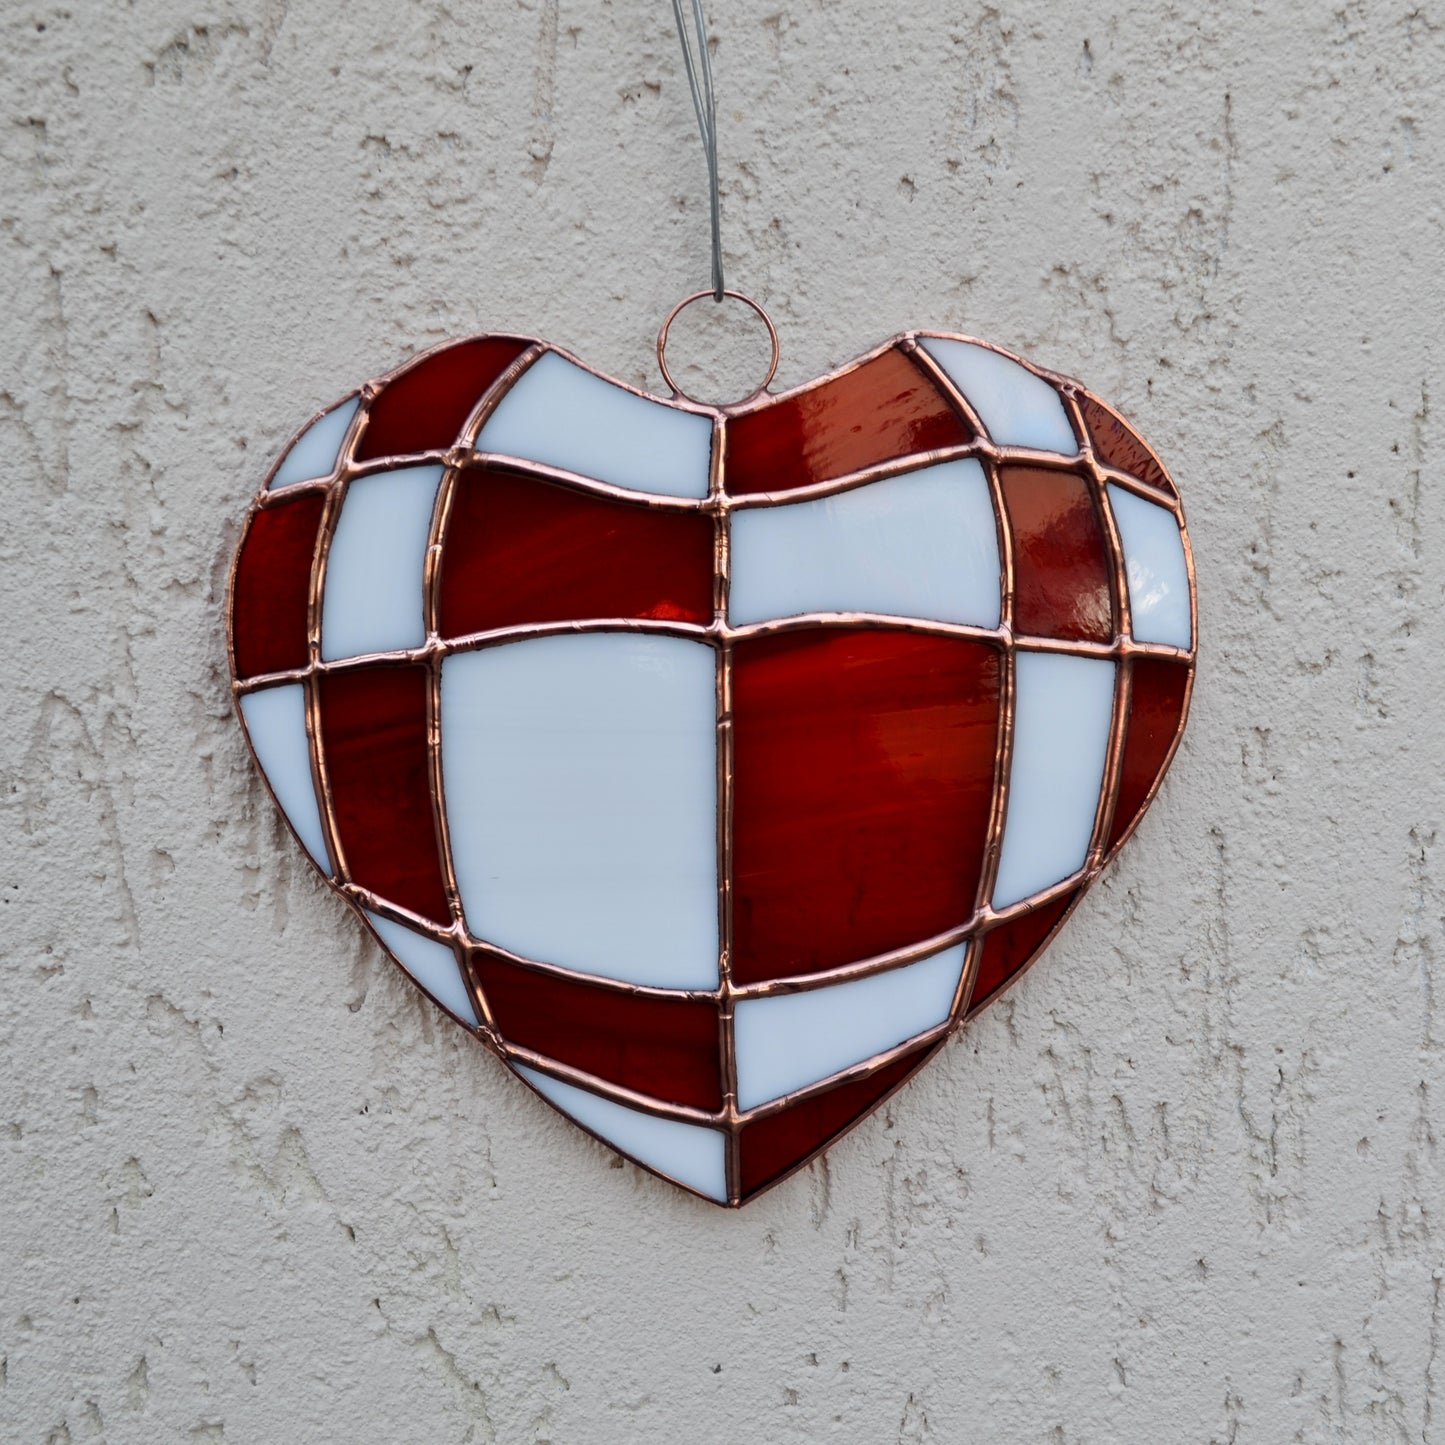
(711, 765)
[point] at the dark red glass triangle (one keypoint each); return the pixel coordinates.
(1009, 948)
(1118, 445)
(779, 1142)
(424, 407)
(1156, 710)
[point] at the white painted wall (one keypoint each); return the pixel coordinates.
(1184, 1185)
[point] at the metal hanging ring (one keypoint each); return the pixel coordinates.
(681, 306)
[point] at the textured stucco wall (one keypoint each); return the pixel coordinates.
(1185, 1184)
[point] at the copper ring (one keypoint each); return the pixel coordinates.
(698, 296)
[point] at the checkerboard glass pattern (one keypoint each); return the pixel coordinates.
(712, 766)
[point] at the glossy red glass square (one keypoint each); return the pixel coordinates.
(374, 749)
(885, 408)
(272, 586)
(864, 762)
(665, 1047)
(1061, 563)
(519, 550)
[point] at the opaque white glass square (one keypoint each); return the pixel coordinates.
(563, 416)
(924, 544)
(1063, 711)
(581, 787)
(316, 449)
(371, 600)
(1018, 408)
(1155, 566)
(788, 1041)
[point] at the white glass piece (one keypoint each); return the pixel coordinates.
(788, 1041)
(276, 722)
(562, 416)
(692, 1154)
(317, 448)
(1018, 408)
(924, 544)
(1158, 574)
(1063, 710)
(433, 965)
(372, 597)
(581, 787)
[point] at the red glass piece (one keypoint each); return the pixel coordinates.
(1061, 568)
(425, 406)
(667, 1048)
(272, 588)
(1118, 445)
(883, 409)
(779, 1142)
(374, 743)
(1010, 947)
(864, 769)
(1156, 709)
(519, 550)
